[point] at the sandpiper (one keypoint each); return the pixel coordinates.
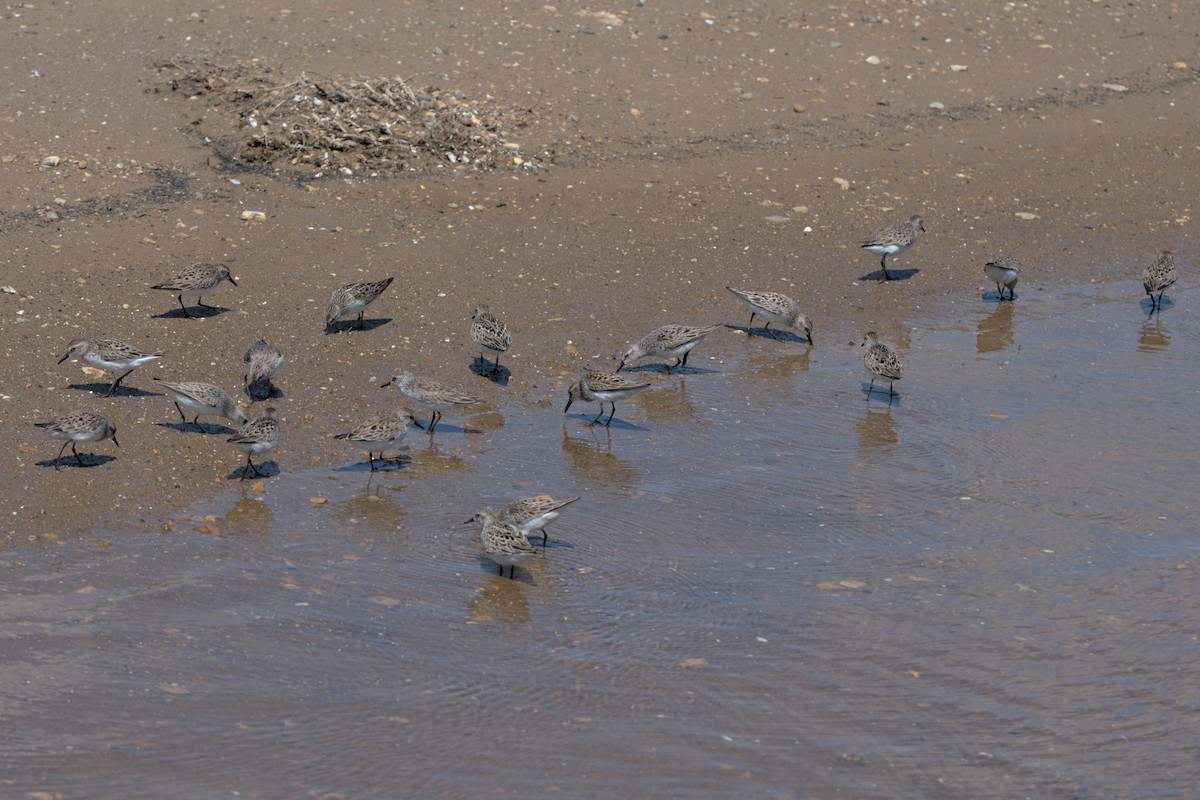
(1158, 276)
(775, 307)
(261, 360)
(669, 341)
(429, 395)
(895, 239)
(78, 427)
(203, 400)
(110, 355)
(379, 434)
(503, 543)
(881, 362)
(533, 514)
(598, 385)
(255, 437)
(1003, 272)
(489, 333)
(353, 297)
(196, 281)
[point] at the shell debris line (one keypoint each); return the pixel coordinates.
(364, 125)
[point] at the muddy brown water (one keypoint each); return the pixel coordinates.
(772, 585)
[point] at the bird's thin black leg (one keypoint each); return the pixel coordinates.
(116, 384)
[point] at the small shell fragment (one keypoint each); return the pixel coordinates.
(254, 215)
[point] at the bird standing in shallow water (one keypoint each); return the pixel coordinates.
(775, 307)
(1158, 276)
(380, 434)
(669, 341)
(598, 385)
(881, 362)
(531, 514)
(429, 395)
(1004, 272)
(503, 543)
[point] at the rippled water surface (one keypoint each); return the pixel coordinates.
(772, 586)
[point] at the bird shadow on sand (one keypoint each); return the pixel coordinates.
(199, 427)
(660, 368)
(591, 421)
(256, 394)
(498, 375)
(893, 275)
(122, 390)
(770, 333)
(267, 469)
(343, 325)
(880, 393)
(192, 312)
(68, 460)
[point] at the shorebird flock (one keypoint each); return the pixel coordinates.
(504, 533)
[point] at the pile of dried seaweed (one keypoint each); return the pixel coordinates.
(379, 125)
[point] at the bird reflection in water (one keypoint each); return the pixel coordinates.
(1153, 336)
(249, 516)
(995, 330)
(593, 462)
(877, 430)
(374, 506)
(776, 369)
(501, 600)
(668, 402)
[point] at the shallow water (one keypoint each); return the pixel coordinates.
(773, 584)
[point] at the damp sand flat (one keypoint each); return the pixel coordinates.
(983, 589)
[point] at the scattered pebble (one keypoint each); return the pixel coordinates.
(254, 215)
(1115, 87)
(51, 161)
(798, 108)
(842, 182)
(936, 105)
(874, 60)
(1026, 215)
(958, 67)
(779, 219)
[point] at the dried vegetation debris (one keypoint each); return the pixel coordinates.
(323, 123)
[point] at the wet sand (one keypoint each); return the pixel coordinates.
(772, 582)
